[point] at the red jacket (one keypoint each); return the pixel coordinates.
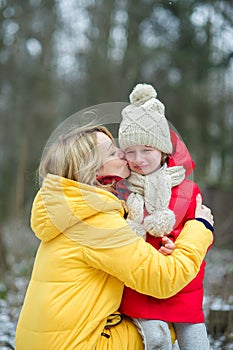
(186, 306)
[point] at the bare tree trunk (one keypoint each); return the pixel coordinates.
(3, 255)
(20, 179)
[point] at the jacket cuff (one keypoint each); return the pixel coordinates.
(206, 223)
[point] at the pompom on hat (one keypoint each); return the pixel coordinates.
(144, 121)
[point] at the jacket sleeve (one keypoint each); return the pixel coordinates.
(141, 267)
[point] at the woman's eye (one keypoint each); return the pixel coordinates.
(113, 152)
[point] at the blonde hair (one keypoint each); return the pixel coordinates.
(74, 155)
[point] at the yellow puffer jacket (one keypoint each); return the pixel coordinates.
(87, 253)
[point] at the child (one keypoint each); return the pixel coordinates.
(161, 200)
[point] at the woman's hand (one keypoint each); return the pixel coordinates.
(202, 211)
(167, 246)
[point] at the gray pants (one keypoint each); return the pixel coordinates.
(190, 336)
(157, 334)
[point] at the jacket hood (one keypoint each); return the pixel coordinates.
(61, 204)
(180, 154)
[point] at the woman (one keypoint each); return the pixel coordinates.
(88, 252)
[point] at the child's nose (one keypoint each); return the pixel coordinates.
(121, 154)
(138, 157)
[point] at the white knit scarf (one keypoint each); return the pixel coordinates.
(153, 192)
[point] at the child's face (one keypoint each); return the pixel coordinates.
(143, 159)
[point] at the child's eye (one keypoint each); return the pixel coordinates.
(113, 153)
(129, 152)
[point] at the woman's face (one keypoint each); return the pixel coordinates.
(113, 159)
(143, 159)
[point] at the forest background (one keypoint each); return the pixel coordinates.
(58, 57)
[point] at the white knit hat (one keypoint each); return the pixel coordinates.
(144, 122)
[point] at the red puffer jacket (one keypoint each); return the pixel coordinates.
(186, 306)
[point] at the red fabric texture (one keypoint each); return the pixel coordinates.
(186, 306)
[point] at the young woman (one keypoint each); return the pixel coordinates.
(88, 252)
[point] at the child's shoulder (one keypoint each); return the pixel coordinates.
(186, 188)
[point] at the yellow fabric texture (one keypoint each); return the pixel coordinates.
(173, 333)
(82, 265)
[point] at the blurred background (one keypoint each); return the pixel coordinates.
(60, 56)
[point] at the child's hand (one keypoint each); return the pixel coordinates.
(167, 246)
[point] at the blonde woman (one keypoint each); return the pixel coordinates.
(88, 252)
